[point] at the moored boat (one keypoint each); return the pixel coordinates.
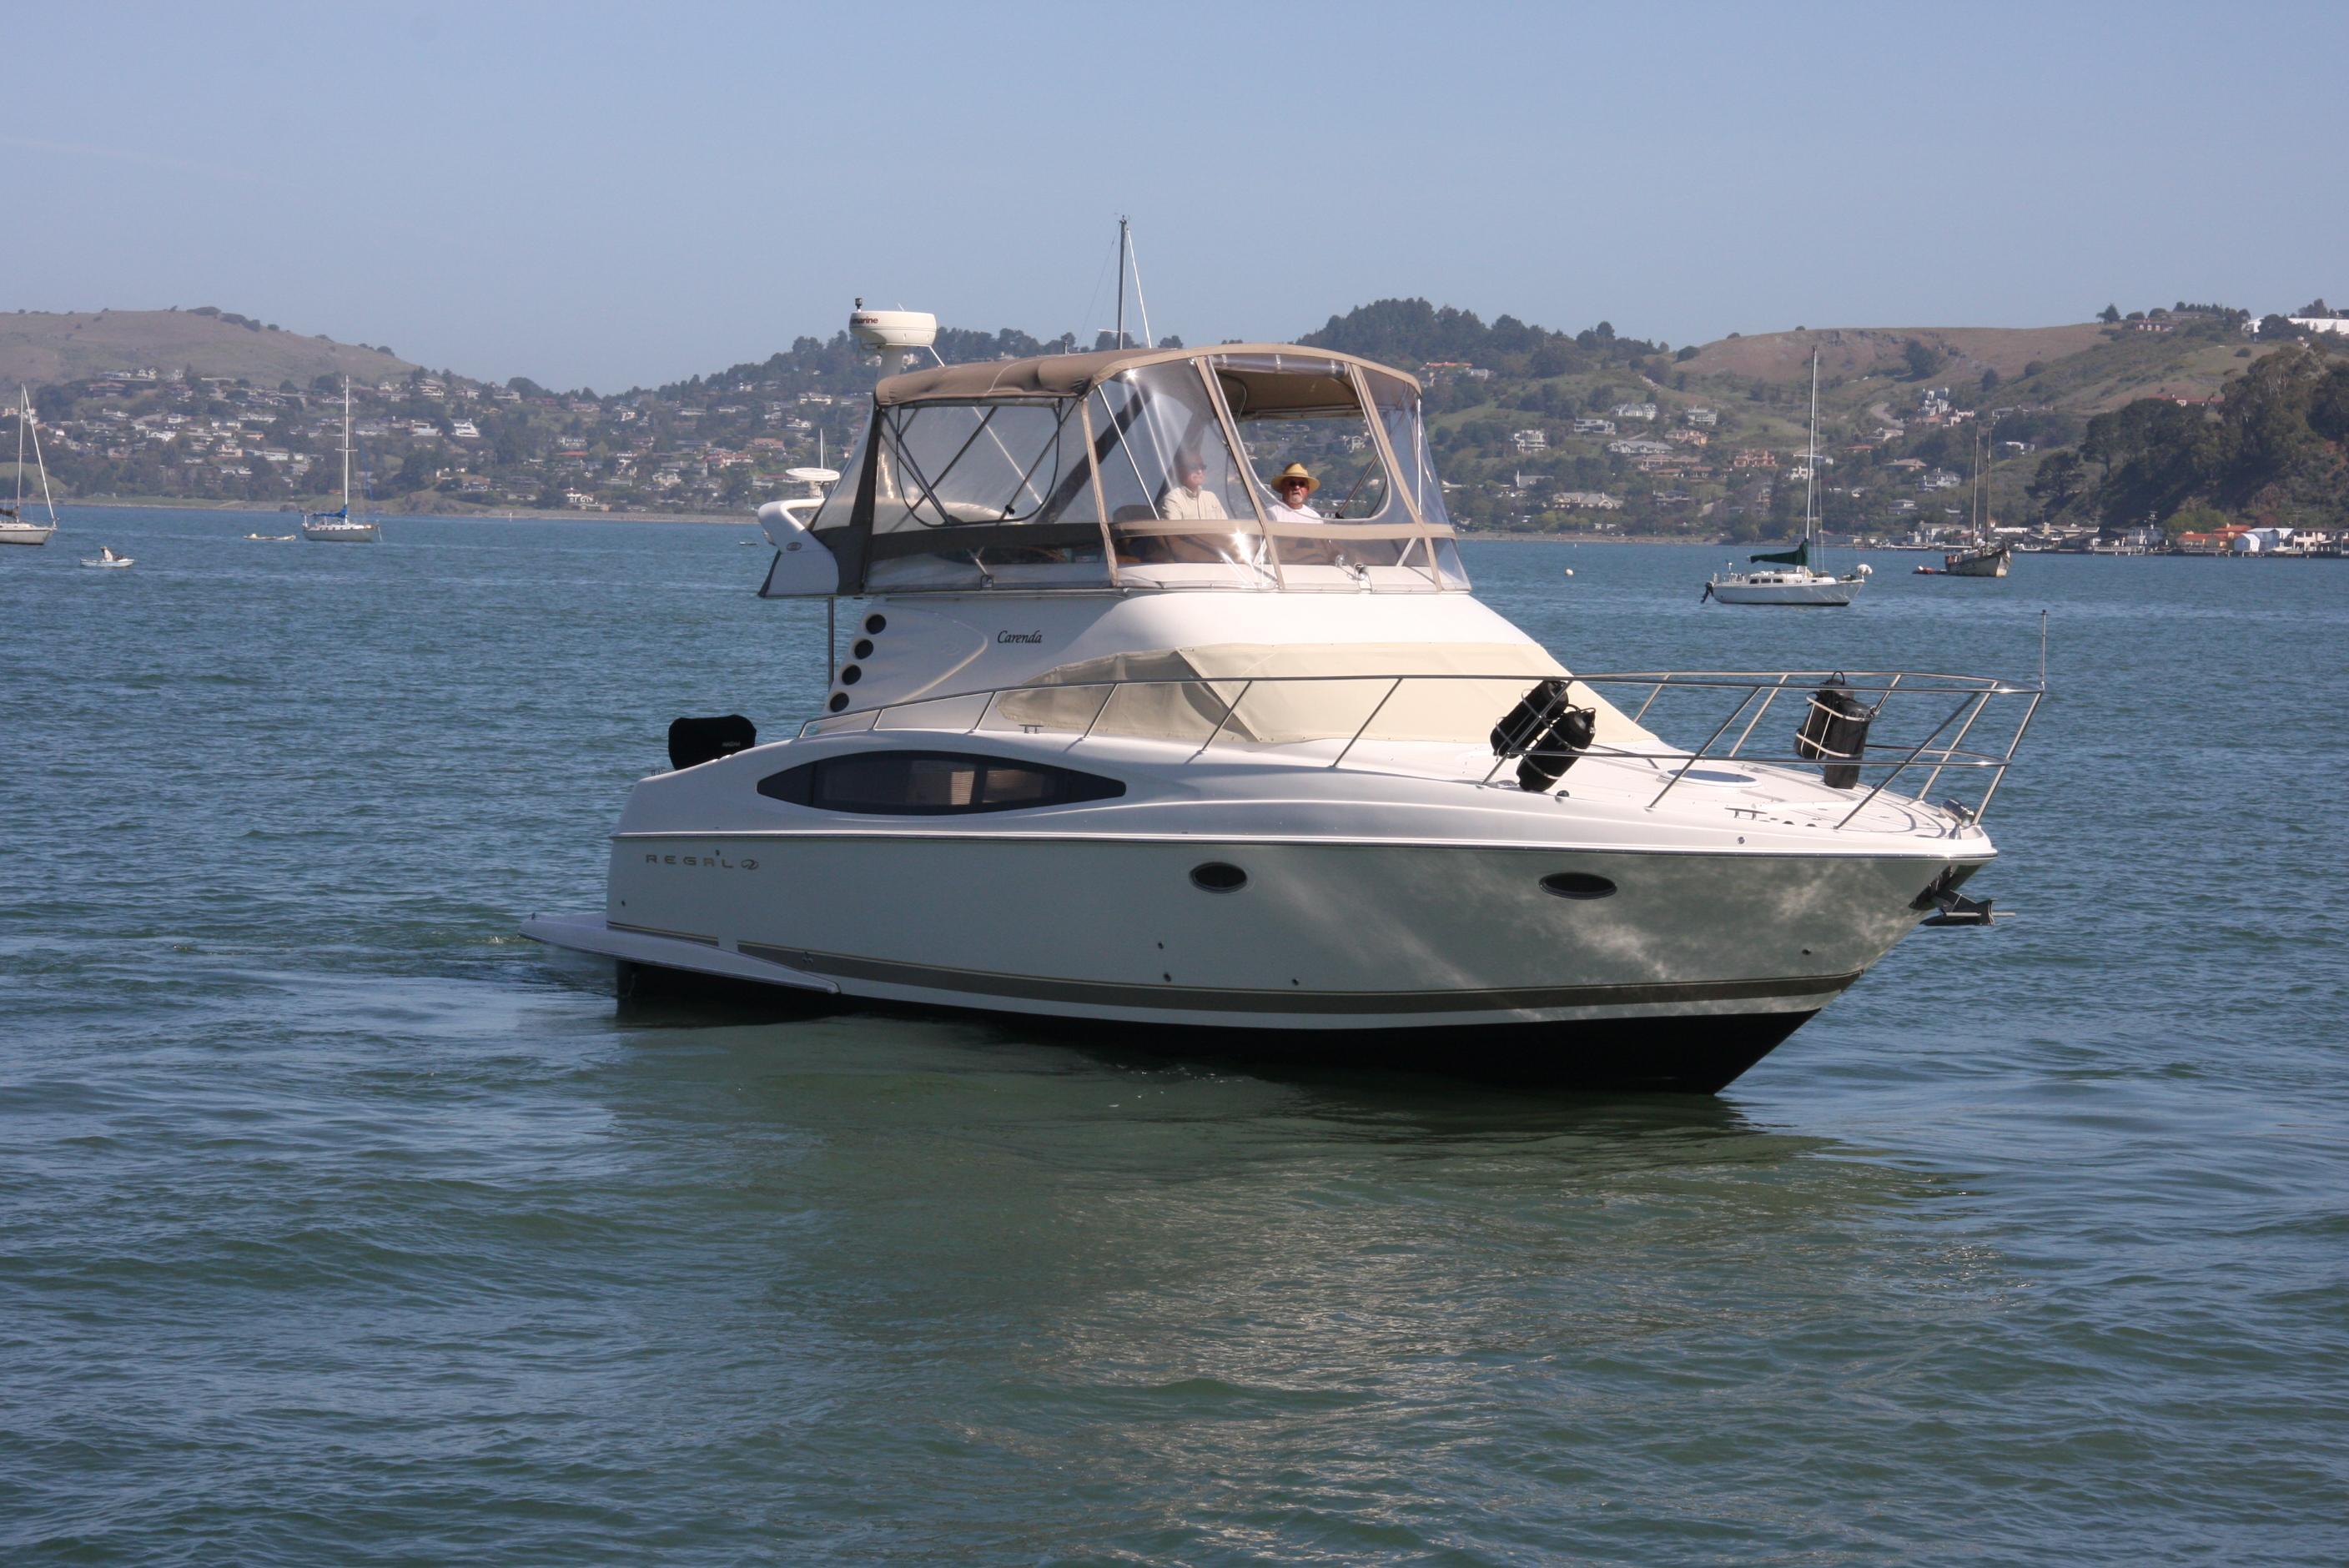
(15, 528)
(340, 527)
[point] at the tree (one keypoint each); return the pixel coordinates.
(2110, 315)
(2059, 482)
(1922, 359)
(1990, 381)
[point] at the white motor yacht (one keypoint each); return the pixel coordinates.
(1116, 739)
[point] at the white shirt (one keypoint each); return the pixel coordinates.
(1281, 511)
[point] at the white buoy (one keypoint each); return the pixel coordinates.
(1570, 572)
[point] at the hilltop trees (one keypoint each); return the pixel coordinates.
(1413, 332)
(2275, 448)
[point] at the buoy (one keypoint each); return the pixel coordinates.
(1570, 572)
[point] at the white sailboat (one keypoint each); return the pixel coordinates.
(13, 527)
(1788, 577)
(340, 527)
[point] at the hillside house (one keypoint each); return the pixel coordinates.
(1937, 480)
(1588, 426)
(1530, 440)
(1637, 448)
(1755, 458)
(1706, 416)
(1585, 500)
(1633, 411)
(1688, 438)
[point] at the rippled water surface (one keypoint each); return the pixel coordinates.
(338, 1225)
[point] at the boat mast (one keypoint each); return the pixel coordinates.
(22, 398)
(346, 448)
(25, 419)
(1811, 485)
(1121, 279)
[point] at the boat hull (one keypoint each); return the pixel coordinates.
(1445, 958)
(1641, 1055)
(1826, 593)
(364, 535)
(1983, 563)
(21, 533)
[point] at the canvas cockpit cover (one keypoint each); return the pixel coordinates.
(1141, 467)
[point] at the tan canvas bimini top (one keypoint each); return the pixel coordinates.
(1074, 375)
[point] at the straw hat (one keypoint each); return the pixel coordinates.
(1295, 471)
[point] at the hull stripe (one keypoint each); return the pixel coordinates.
(1205, 999)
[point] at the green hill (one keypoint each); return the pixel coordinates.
(41, 349)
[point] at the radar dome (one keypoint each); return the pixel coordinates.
(885, 330)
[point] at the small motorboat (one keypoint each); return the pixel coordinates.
(1930, 572)
(107, 558)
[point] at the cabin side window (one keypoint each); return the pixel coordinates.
(932, 784)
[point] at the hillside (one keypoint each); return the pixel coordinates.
(1852, 351)
(41, 349)
(2082, 369)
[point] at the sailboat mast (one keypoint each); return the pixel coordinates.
(1811, 484)
(1121, 279)
(23, 419)
(22, 398)
(346, 446)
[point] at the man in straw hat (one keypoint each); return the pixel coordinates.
(1293, 486)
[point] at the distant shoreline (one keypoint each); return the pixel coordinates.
(519, 513)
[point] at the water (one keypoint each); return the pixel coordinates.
(337, 1224)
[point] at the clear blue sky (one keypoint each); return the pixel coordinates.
(614, 194)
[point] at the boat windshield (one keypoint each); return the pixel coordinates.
(1177, 495)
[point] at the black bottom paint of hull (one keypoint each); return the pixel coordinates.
(1697, 1054)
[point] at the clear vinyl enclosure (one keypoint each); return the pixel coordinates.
(1142, 469)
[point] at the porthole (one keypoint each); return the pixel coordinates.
(1218, 876)
(876, 624)
(839, 701)
(850, 675)
(1577, 884)
(862, 650)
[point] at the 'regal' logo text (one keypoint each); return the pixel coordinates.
(713, 859)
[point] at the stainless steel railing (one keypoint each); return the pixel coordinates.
(1905, 736)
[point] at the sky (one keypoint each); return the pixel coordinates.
(615, 195)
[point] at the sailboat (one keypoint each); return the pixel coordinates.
(1788, 577)
(340, 527)
(1985, 557)
(14, 528)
